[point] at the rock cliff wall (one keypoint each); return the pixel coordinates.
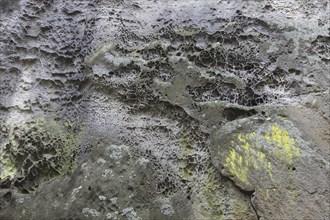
(117, 109)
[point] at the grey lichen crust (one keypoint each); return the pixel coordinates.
(203, 112)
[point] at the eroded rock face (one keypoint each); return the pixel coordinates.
(270, 159)
(154, 110)
(37, 152)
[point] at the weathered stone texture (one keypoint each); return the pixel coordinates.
(192, 109)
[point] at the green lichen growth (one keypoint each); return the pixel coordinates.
(186, 146)
(36, 152)
(211, 192)
(8, 168)
(208, 180)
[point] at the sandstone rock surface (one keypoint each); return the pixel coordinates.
(150, 109)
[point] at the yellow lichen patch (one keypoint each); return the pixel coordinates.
(269, 170)
(236, 166)
(249, 152)
(285, 146)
